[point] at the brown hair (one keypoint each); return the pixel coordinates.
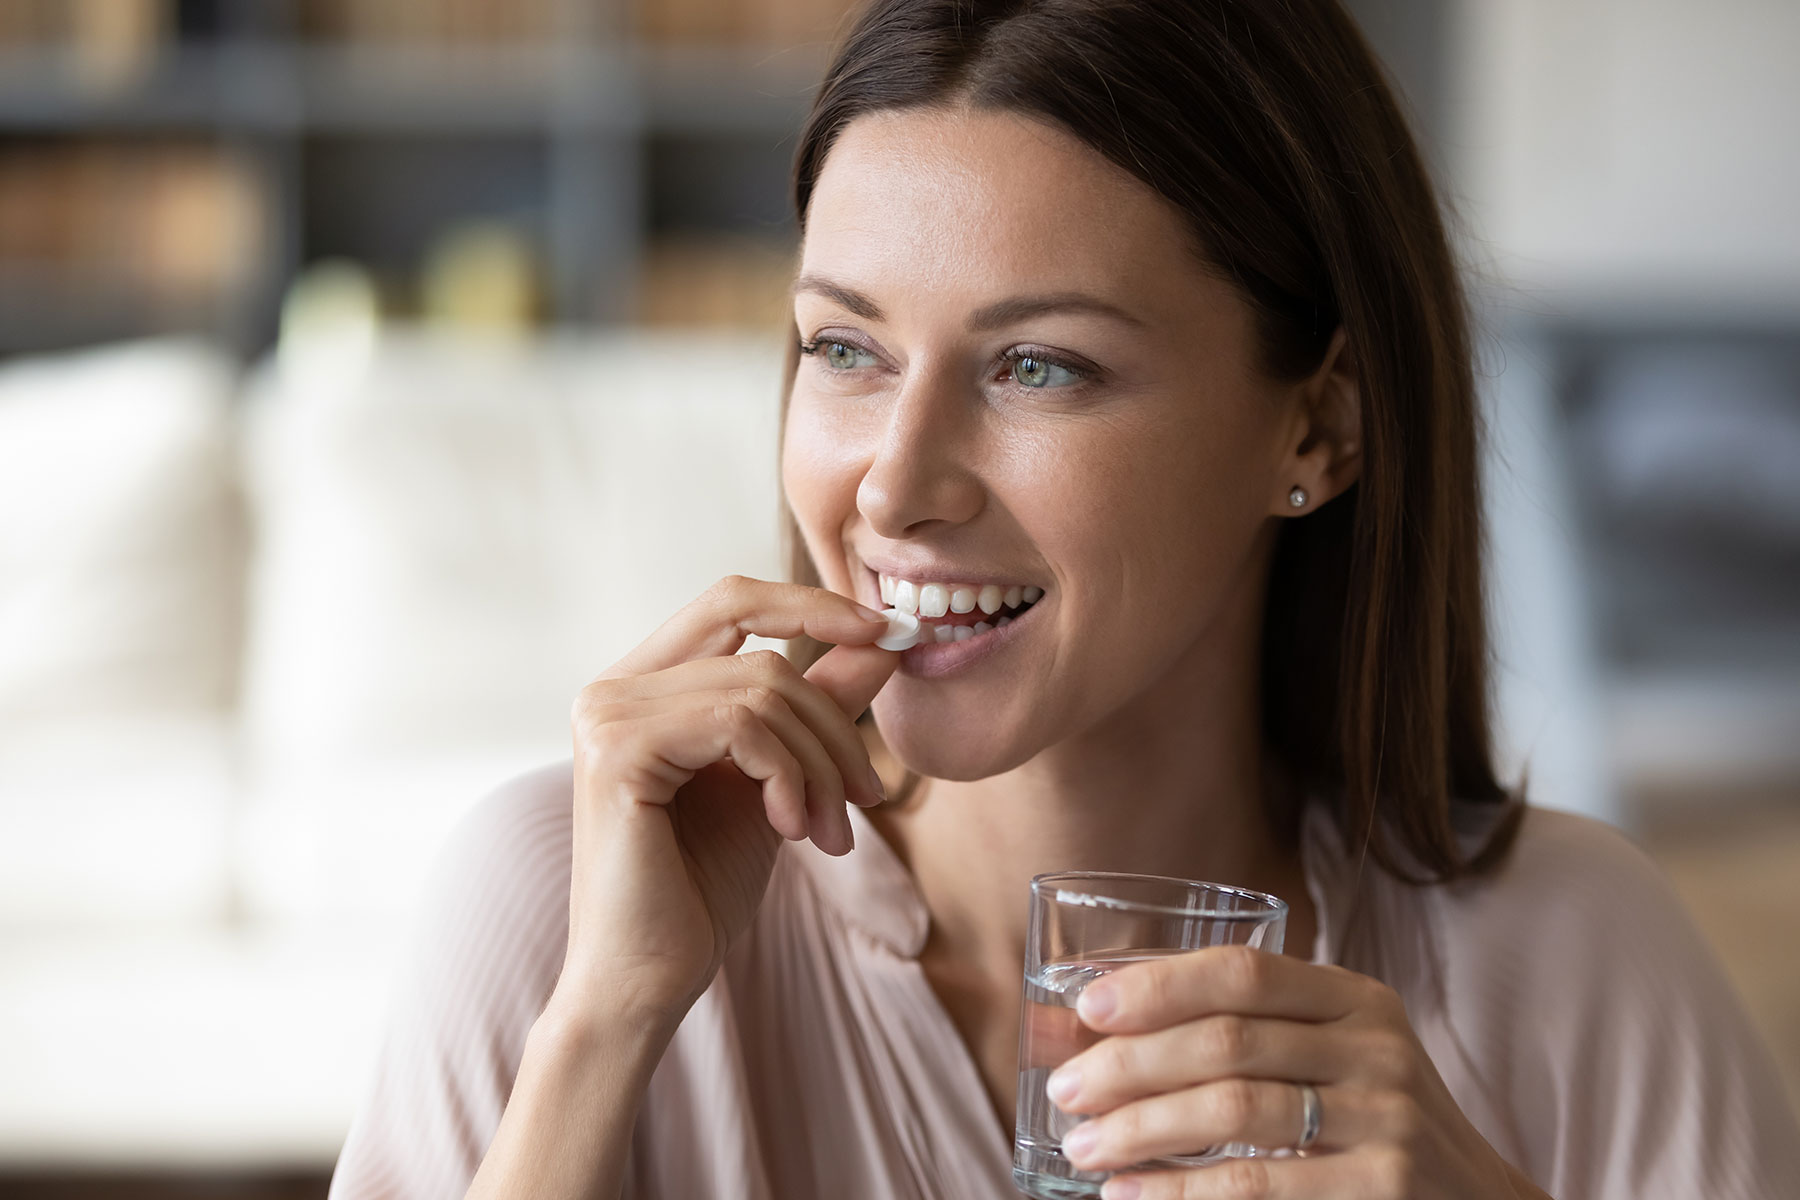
(1271, 126)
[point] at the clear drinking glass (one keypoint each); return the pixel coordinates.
(1085, 924)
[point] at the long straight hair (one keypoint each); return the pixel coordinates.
(1270, 125)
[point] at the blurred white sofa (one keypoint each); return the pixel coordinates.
(262, 640)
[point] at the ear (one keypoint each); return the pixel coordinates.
(1322, 444)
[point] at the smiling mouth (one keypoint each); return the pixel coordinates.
(956, 612)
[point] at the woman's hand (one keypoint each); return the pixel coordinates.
(1209, 1047)
(692, 762)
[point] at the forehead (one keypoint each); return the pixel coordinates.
(955, 198)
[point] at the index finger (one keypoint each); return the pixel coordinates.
(717, 621)
(1217, 979)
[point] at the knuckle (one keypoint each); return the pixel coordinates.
(1245, 1178)
(595, 726)
(1233, 1103)
(1150, 989)
(765, 664)
(1401, 1117)
(581, 711)
(737, 717)
(1391, 1054)
(598, 742)
(759, 698)
(1227, 1040)
(727, 588)
(1391, 1171)
(1125, 1127)
(1245, 970)
(1109, 1062)
(1384, 999)
(589, 703)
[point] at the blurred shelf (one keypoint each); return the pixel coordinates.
(284, 89)
(42, 308)
(46, 93)
(729, 89)
(1762, 305)
(589, 147)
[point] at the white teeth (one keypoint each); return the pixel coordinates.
(933, 600)
(910, 604)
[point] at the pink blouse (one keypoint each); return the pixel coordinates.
(1567, 1000)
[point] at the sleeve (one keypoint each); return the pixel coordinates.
(489, 948)
(1629, 1065)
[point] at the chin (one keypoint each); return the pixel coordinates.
(956, 755)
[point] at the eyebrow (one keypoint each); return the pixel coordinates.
(985, 319)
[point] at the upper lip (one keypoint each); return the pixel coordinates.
(940, 571)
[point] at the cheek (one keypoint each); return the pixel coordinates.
(1172, 500)
(1157, 530)
(819, 480)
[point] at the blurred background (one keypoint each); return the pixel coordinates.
(374, 372)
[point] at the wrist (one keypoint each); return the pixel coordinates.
(583, 1016)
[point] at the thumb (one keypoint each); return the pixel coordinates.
(852, 675)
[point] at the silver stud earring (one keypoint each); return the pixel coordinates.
(1297, 497)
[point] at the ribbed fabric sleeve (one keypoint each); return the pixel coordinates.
(488, 953)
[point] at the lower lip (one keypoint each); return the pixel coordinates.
(935, 660)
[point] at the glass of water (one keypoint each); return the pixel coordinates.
(1083, 925)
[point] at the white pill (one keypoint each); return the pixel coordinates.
(903, 630)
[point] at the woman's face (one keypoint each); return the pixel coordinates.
(1120, 453)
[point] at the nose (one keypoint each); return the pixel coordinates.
(925, 465)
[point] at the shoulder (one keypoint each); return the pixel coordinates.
(1579, 995)
(1560, 967)
(1573, 912)
(518, 836)
(1568, 887)
(493, 926)
(497, 905)
(1575, 908)
(1568, 851)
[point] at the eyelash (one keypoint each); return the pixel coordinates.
(1011, 357)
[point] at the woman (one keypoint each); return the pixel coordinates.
(1144, 310)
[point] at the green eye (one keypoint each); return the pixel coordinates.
(838, 356)
(1036, 373)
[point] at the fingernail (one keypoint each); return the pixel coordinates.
(875, 783)
(869, 614)
(1080, 1141)
(1097, 1003)
(1122, 1188)
(1063, 1084)
(849, 834)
